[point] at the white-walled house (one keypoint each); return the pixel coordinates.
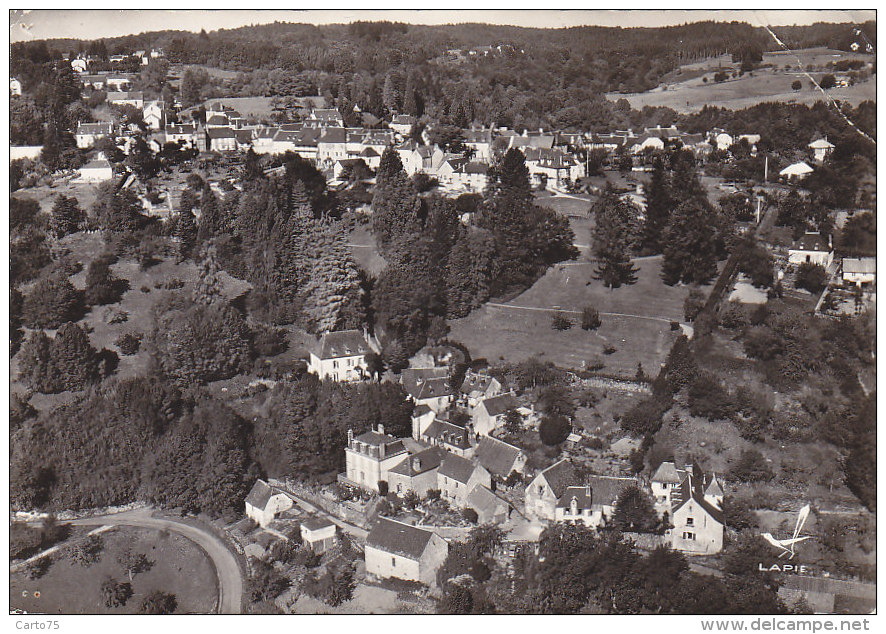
(88, 133)
(820, 149)
(135, 99)
(395, 549)
(428, 386)
(457, 476)
(15, 87)
(416, 473)
(594, 503)
(501, 459)
(697, 523)
(264, 502)
(664, 482)
(796, 171)
(340, 356)
(860, 271)
(370, 456)
(812, 248)
(97, 171)
(489, 414)
(546, 489)
(318, 533)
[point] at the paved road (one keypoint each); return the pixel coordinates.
(230, 581)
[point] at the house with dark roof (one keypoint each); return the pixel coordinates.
(422, 417)
(489, 414)
(428, 386)
(664, 482)
(478, 385)
(340, 356)
(221, 139)
(696, 518)
(416, 473)
(395, 549)
(370, 456)
(88, 133)
(457, 476)
(448, 436)
(327, 116)
(490, 508)
(402, 123)
(498, 457)
(812, 248)
(860, 271)
(546, 489)
(264, 502)
(136, 99)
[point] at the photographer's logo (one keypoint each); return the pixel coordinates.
(787, 546)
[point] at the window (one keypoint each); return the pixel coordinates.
(690, 521)
(335, 364)
(688, 535)
(541, 489)
(393, 562)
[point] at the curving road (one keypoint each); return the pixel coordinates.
(230, 581)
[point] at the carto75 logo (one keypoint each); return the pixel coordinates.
(787, 545)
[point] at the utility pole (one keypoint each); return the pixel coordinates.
(766, 169)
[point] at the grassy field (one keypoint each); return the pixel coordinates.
(639, 330)
(686, 91)
(180, 567)
(84, 193)
(362, 244)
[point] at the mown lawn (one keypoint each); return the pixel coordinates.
(363, 248)
(639, 331)
(180, 568)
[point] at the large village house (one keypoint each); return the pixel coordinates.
(340, 356)
(395, 549)
(370, 456)
(812, 248)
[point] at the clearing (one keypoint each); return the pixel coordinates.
(180, 568)
(685, 91)
(636, 321)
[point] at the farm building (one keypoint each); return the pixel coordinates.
(394, 549)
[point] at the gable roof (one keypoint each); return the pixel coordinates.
(260, 493)
(691, 490)
(456, 467)
(859, 265)
(666, 472)
(342, 343)
(220, 133)
(217, 119)
(500, 404)
(398, 538)
(243, 136)
(422, 383)
(813, 241)
(714, 488)
(583, 497)
(475, 382)
(484, 501)
(97, 164)
(332, 135)
(821, 144)
(496, 456)
(559, 476)
(606, 489)
(316, 523)
(796, 169)
(101, 127)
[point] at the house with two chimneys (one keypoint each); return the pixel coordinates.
(88, 133)
(340, 356)
(812, 248)
(370, 457)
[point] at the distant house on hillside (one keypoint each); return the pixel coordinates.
(15, 87)
(395, 549)
(489, 414)
(264, 502)
(546, 489)
(796, 171)
(97, 171)
(135, 99)
(820, 149)
(340, 356)
(402, 123)
(88, 133)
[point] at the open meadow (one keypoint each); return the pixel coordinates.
(686, 91)
(179, 567)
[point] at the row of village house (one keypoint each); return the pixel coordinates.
(464, 463)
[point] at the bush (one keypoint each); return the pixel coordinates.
(423, 182)
(707, 398)
(115, 594)
(828, 81)
(561, 322)
(590, 318)
(812, 277)
(797, 84)
(129, 343)
(721, 76)
(382, 488)
(87, 552)
(751, 466)
(158, 603)
(432, 494)
(693, 304)
(334, 588)
(36, 569)
(554, 429)
(610, 350)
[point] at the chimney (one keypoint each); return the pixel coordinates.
(416, 464)
(381, 428)
(350, 437)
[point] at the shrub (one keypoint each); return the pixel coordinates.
(751, 466)
(115, 594)
(158, 603)
(382, 488)
(610, 350)
(590, 318)
(721, 76)
(87, 552)
(36, 569)
(812, 277)
(561, 322)
(693, 304)
(707, 398)
(827, 81)
(554, 429)
(432, 494)
(675, 325)
(129, 343)
(796, 84)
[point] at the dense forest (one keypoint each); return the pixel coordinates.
(529, 78)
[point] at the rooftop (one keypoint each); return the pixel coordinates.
(342, 343)
(497, 456)
(398, 538)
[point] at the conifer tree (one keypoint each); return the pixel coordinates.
(611, 239)
(690, 244)
(396, 209)
(66, 216)
(659, 205)
(186, 233)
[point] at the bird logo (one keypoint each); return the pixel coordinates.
(787, 545)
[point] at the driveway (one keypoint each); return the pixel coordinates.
(230, 581)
